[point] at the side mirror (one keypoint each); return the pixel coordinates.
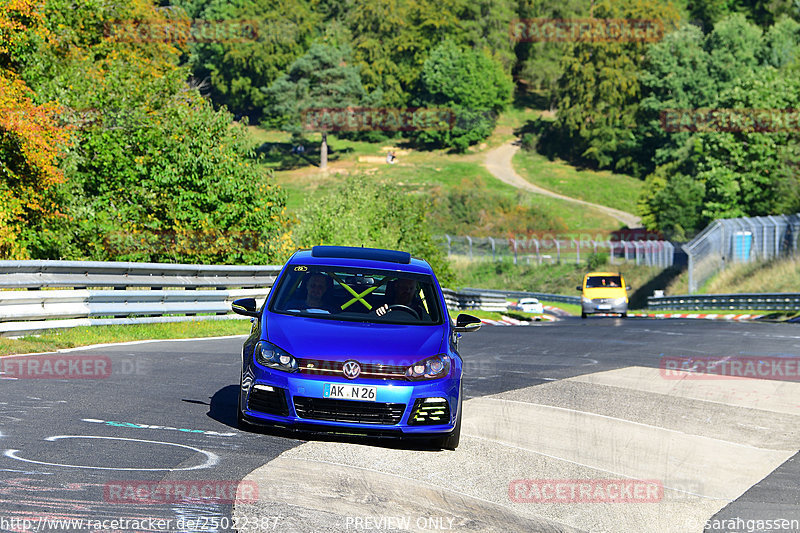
(465, 323)
(627, 287)
(245, 306)
(578, 288)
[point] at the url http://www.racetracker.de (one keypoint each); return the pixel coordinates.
(203, 523)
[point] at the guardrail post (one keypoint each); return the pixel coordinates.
(492, 243)
(469, 240)
(446, 236)
(558, 251)
(538, 255)
(514, 242)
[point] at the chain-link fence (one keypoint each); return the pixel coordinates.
(554, 250)
(740, 240)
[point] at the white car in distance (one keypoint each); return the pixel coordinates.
(530, 305)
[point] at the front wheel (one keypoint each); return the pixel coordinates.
(241, 421)
(450, 440)
(624, 315)
(583, 315)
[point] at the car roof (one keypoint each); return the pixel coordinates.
(603, 274)
(350, 256)
(528, 300)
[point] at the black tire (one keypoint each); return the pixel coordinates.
(241, 421)
(624, 315)
(450, 441)
(583, 315)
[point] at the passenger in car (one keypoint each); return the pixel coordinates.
(317, 287)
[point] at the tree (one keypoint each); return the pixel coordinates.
(237, 67)
(599, 88)
(154, 172)
(470, 84)
(32, 140)
(743, 163)
(675, 76)
(323, 78)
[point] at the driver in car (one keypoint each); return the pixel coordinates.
(401, 295)
(317, 286)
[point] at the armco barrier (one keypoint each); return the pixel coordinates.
(762, 301)
(521, 294)
(100, 293)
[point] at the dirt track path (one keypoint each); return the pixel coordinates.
(498, 162)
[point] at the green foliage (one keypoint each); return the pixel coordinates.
(599, 87)
(322, 78)
(237, 69)
(154, 173)
(719, 172)
(538, 64)
(179, 186)
(360, 211)
(470, 208)
(596, 260)
(470, 84)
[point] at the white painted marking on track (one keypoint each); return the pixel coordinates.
(211, 458)
(588, 413)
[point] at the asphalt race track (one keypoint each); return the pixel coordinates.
(568, 426)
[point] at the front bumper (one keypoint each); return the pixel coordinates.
(603, 307)
(297, 402)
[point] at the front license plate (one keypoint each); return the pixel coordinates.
(604, 306)
(349, 392)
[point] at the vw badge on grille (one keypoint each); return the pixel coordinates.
(351, 369)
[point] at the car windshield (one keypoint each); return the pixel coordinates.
(603, 281)
(346, 293)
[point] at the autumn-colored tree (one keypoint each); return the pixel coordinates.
(31, 140)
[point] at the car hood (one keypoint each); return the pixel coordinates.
(339, 340)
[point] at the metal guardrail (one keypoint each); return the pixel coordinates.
(521, 294)
(198, 292)
(464, 300)
(776, 301)
(85, 274)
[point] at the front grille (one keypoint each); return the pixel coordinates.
(270, 402)
(603, 300)
(429, 412)
(318, 367)
(349, 411)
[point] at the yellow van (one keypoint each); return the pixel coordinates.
(604, 292)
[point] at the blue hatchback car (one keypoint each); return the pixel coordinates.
(355, 341)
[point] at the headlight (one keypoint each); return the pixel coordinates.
(270, 355)
(619, 301)
(434, 367)
(586, 300)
